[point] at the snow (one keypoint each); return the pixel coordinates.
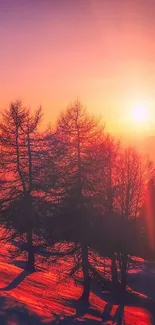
(43, 298)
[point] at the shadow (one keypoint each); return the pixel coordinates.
(119, 315)
(23, 265)
(11, 312)
(14, 312)
(106, 312)
(129, 299)
(144, 283)
(81, 309)
(19, 278)
(84, 313)
(20, 264)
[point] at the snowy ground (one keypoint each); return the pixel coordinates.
(41, 298)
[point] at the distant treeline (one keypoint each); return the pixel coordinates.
(74, 185)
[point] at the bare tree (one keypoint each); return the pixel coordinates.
(131, 176)
(20, 167)
(78, 136)
(107, 194)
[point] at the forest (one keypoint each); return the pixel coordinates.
(75, 192)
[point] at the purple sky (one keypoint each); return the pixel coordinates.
(102, 51)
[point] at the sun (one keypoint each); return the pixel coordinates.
(138, 117)
(140, 114)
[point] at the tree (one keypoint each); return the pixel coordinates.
(121, 195)
(78, 137)
(20, 153)
(107, 194)
(131, 175)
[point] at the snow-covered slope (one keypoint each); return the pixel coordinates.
(43, 297)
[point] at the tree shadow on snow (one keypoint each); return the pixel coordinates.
(129, 299)
(87, 315)
(84, 313)
(18, 279)
(11, 312)
(23, 265)
(20, 264)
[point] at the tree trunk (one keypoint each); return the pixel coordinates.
(29, 230)
(85, 269)
(31, 258)
(124, 258)
(114, 273)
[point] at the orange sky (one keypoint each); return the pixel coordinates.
(100, 51)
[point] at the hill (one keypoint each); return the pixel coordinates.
(44, 297)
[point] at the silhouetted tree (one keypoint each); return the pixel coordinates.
(121, 195)
(131, 176)
(20, 167)
(74, 187)
(78, 136)
(108, 189)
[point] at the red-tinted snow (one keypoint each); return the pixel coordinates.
(44, 295)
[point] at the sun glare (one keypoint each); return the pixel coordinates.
(140, 114)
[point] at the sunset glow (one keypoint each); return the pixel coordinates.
(140, 114)
(101, 52)
(77, 162)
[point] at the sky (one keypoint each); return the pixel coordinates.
(99, 51)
